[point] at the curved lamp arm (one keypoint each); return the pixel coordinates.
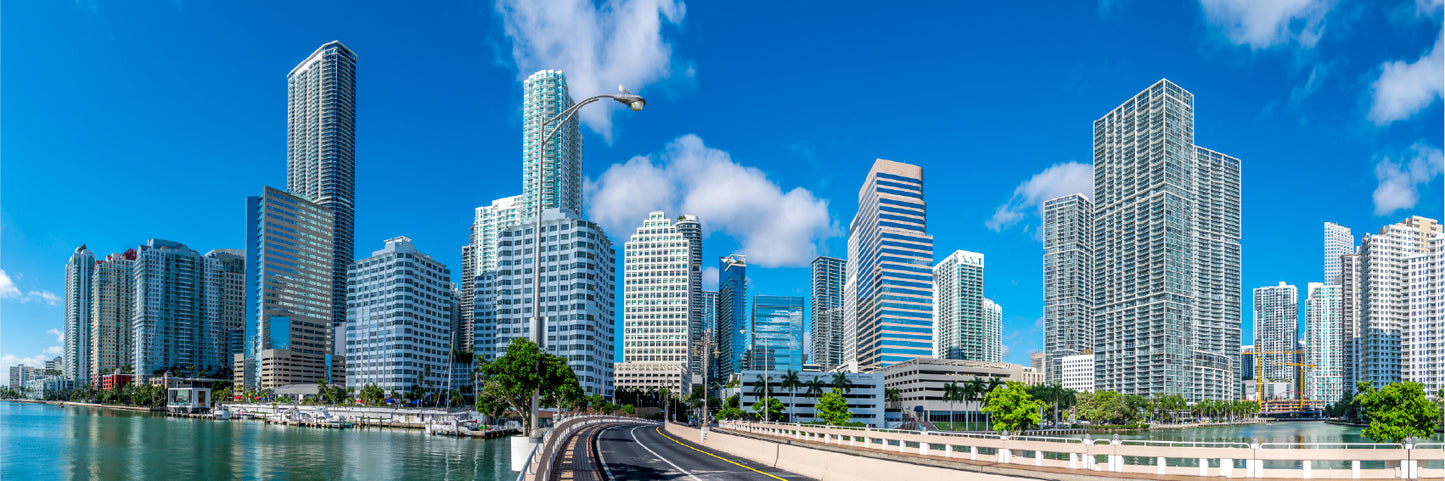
(635, 102)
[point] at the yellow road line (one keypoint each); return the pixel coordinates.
(680, 443)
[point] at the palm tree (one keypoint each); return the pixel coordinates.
(840, 382)
(951, 393)
(972, 391)
(816, 387)
(790, 382)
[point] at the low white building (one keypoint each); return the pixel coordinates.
(672, 375)
(1077, 372)
(865, 399)
(920, 382)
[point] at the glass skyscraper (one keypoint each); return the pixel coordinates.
(777, 334)
(78, 272)
(1166, 252)
(966, 330)
(288, 309)
(892, 308)
(826, 311)
(732, 313)
(1068, 280)
(545, 96)
(321, 151)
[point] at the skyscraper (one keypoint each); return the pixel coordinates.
(1384, 289)
(78, 272)
(827, 311)
(112, 342)
(1324, 343)
(691, 230)
(893, 307)
(545, 96)
(1276, 322)
(225, 306)
(288, 308)
(1166, 252)
(480, 253)
(1424, 346)
(656, 295)
(1338, 242)
(732, 313)
(777, 334)
(1068, 281)
(964, 331)
(709, 332)
(1349, 282)
(183, 301)
(577, 304)
(399, 328)
(321, 150)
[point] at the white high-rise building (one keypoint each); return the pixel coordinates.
(1338, 242)
(480, 253)
(577, 306)
(78, 273)
(1385, 307)
(399, 329)
(691, 229)
(112, 342)
(826, 311)
(1349, 282)
(1276, 322)
(850, 302)
(963, 328)
(1324, 343)
(186, 307)
(1068, 281)
(1166, 252)
(657, 298)
(1077, 372)
(1423, 358)
(545, 96)
(321, 151)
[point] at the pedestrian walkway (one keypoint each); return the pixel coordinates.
(578, 460)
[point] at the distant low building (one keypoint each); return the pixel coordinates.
(116, 380)
(672, 375)
(920, 381)
(865, 399)
(38, 387)
(1077, 372)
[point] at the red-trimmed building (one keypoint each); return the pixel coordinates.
(115, 381)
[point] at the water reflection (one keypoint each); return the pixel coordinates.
(46, 442)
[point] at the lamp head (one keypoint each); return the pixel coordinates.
(631, 100)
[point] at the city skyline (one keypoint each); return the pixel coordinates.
(824, 167)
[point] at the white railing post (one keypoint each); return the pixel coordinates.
(1226, 467)
(973, 453)
(948, 450)
(1116, 461)
(923, 448)
(1355, 469)
(1203, 467)
(1160, 461)
(1409, 468)
(1073, 460)
(1306, 467)
(1003, 452)
(1038, 458)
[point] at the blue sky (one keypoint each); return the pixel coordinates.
(123, 121)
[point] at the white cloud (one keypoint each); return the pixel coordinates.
(1406, 88)
(1401, 178)
(59, 336)
(598, 47)
(709, 278)
(775, 228)
(54, 351)
(8, 290)
(1055, 181)
(1261, 24)
(8, 360)
(7, 287)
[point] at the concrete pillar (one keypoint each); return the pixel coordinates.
(1203, 467)
(1073, 460)
(1226, 467)
(923, 448)
(1004, 455)
(1038, 458)
(1306, 464)
(866, 441)
(1160, 461)
(948, 450)
(1355, 469)
(973, 453)
(902, 445)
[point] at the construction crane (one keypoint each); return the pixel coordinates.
(1259, 374)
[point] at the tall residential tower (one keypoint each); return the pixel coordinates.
(965, 330)
(1068, 281)
(826, 311)
(545, 96)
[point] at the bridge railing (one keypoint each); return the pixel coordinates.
(539, 464)
(1196, 458)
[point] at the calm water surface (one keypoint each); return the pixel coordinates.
(46, 442)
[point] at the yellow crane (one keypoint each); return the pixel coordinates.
(1259, 374)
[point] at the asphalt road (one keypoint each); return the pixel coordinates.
(644, 452)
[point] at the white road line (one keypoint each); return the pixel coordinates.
(603, 459)
(659, 456)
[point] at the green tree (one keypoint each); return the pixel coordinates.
(1397, 412)
(841, 383)
(791, 382)
(510, 380)
(816, 387)
(730, 412)
(1012, 409)
(833, 409)
(951, 392)
(972, 391)
(769, 407)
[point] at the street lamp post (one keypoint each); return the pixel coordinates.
(635, 102)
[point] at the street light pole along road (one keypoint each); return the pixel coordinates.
(537, 325)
